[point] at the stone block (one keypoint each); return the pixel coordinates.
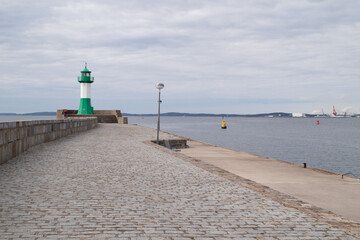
(122, 120)
(30, 131)
(173, 143)
(2, 137)
(22, 132)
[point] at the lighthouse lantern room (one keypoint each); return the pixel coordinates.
(85, 81)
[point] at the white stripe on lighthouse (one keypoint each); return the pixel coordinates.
(85, 90)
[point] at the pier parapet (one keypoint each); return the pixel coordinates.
(103, 116)
(18, 136)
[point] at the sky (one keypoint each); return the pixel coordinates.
(228, 56)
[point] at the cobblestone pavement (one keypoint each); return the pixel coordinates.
(107, 184)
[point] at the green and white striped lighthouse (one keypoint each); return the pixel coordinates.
(85, 89)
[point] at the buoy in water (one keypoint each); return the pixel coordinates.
(317, 122)
(223, 125)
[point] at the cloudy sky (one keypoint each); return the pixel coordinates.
(227, 56)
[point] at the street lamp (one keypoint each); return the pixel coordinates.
(158, 86)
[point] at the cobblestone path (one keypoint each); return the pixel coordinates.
(107, 184)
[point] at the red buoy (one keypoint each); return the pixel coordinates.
(317, 122)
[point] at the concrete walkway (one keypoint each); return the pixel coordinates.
(322, 189)
(108, 183)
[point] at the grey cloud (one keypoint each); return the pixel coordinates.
(253, 49)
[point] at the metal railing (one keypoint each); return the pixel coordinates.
(91, 79)
(350, 174)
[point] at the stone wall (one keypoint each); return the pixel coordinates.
(17, 137)
(104, 116)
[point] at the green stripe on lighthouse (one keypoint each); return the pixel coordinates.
(85, 106)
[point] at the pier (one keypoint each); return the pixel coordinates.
(112, 182)
(323, 189)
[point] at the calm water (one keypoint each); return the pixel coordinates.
(334, 145)
(8, 118)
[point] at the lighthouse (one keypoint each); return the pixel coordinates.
(85, 81)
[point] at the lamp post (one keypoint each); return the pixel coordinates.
(159, 86)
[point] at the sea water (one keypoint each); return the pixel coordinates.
(333, 145)
(9, 118)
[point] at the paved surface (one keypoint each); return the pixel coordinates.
(328, 191)
(107, 184)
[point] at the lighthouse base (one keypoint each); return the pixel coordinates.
(103, 116)
(85, 106)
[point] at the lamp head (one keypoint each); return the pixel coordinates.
(160, 86)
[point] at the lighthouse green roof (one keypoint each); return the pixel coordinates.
(86, 70)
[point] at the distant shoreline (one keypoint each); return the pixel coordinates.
(177, 114)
